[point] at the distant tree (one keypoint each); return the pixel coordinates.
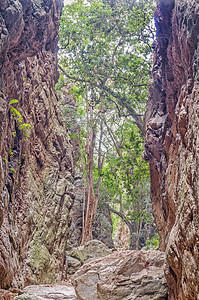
(105, 51)
(105, 46)
(126, 179)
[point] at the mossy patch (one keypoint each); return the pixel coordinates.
(43, 264)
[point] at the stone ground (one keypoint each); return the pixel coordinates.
(48, 292)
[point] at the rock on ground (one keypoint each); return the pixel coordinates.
(93, 249)
(47, 292)
(126, 275)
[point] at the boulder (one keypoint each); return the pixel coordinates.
(76, 257)
(45, 292)
(128, 275)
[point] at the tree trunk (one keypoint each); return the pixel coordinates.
(130, 225)
(90, 212)
(91, 199)
(139, 227)
(132, 237)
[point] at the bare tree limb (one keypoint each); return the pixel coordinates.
(121, 215)
(123, 101)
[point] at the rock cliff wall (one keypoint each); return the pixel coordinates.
(172, 143)
(36, 171)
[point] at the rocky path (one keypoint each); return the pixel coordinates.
(48, 292)
(129, 275)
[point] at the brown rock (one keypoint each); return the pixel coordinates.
(6, 295)
(125, 275)
(172, 147)
(36, 171)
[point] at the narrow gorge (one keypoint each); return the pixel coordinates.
(45, 250)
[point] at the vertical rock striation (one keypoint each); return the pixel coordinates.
(172, 143)
(36, 172)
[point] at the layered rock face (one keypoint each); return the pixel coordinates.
(128, 275)
(172, 143)
(36, 167)
(47, 292)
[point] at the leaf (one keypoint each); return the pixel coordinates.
(15, 112)
(105, 53)
(11, 152)
(13, 101)
(24, 126)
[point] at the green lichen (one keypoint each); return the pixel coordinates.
(43, 264)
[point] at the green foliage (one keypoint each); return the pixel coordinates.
(105, 47)
(11, 152)
(25, 127)
(115, 220)
(15, 113)
(14, 134)
(126, 176)
(13, 101)
(152, 243)
(74, 136)
(105, 50)
(60, 83)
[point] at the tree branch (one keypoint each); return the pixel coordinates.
(113, 139)
(123, 101)
(121, 215)
(71, 77)
(132, 84)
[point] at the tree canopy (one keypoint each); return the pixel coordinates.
(105, 51)
(105, 46)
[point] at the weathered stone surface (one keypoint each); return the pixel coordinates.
(68, 106)
(103, 226)
(122, 236)
(172, 143)
(45, 292)
(6, 295)
(36, 172)
(75, 232)
(76, 257)
(123, 275)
